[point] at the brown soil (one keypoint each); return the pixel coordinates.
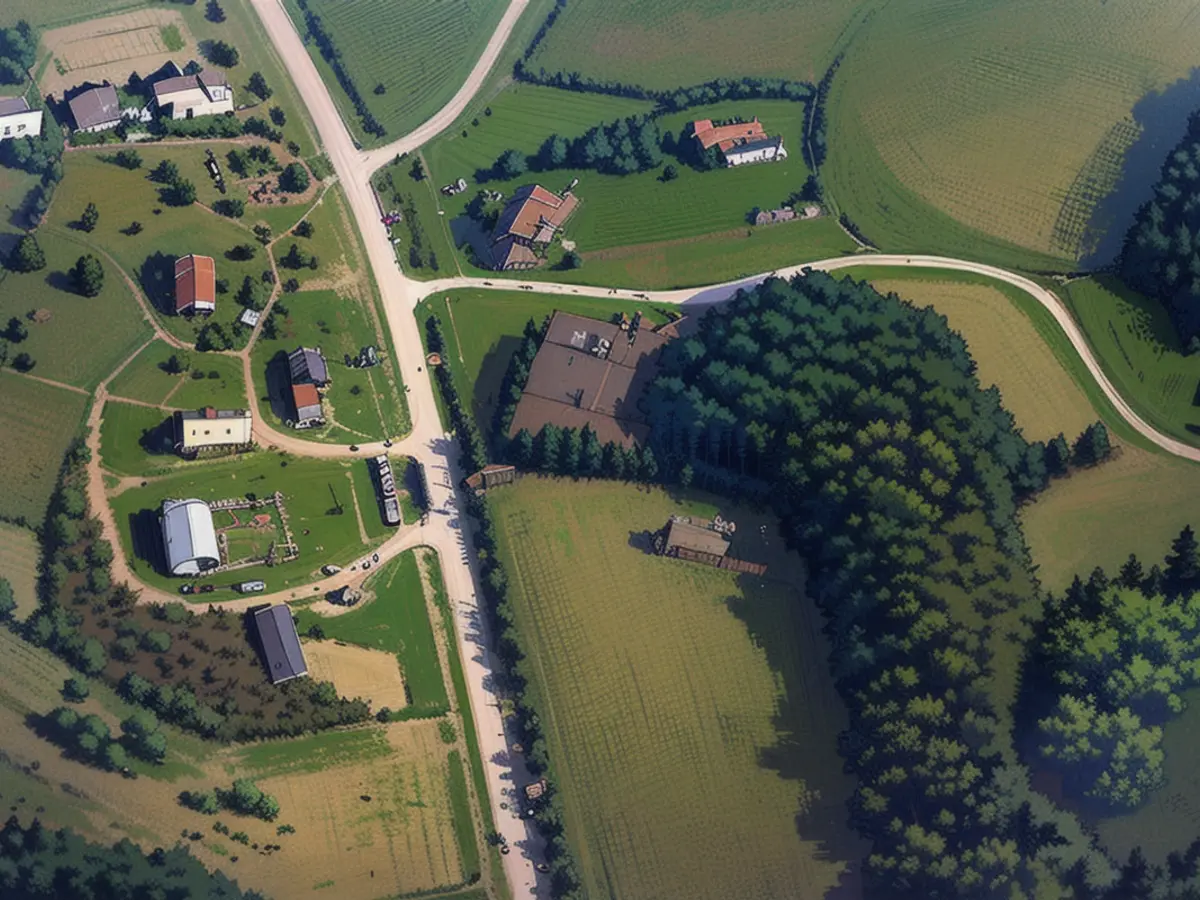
(357, 672)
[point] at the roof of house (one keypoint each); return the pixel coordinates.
(751, 146)
(307, 400)
(280, 643)
(195, 281)
(709, 135)
(213, 78)
(180, 83)
(210, 413)
(11, 105)
(507, 252)
(307, 366)
(188, 533)
(531, 209)
(696, 537)
(96, 106)
(250, 317)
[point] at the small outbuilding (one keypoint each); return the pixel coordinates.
(195, 284)
(693, 538)
(282, 653)
(307, 403)
(189, 539)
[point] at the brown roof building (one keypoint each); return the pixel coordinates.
(195, 284)
(739, 142)
(96, 109)
(307, 403)
(531, 218)
(695, 538)
(589, 372)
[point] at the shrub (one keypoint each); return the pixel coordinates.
(294, 179)
(222, 54)
(258, 85)
(75, 690)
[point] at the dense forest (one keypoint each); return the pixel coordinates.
(1162, 250)
(37, 863)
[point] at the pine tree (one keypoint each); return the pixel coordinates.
(1058, 455)
(1183, 563)
(547, 447)
(572, 447)
(87, 275)
(648, 465)
(27, 256)
(591, 457)
(520, 449)
(1131, 573)
(90, 217)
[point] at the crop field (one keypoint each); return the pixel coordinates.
(147, 380)
(1139, 349)
(396, 621)
(1009, 351)
(136, 440)
(19, 555)
(746, 799)
(40, 422)
(1004, 119)
(316, 495)
(64, 340)
(51, 13)
(360, 404)
(674, 43)
(420, 51)
(357, 672)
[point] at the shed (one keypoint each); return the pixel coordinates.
(695, 538)
(282, 653)
(189, 539)
(308, 406)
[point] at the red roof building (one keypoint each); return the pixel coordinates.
(195, 284)
(530, 219)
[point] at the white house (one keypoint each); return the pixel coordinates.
(17, 119)
(191, 96)
(201, 429)
(189, 538)
(763, 150)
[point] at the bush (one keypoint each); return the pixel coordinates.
(222, 54)
(75, 690)
(231, 207)
(294, 179)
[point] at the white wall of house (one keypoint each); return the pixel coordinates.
(103, 126)
(764, 154)
(193, 103)
(21, 124)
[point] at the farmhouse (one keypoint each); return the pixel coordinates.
(195, 284)
(530, 219)
(589, 372)
(307, 405)
(17, 119)
(308, 367)
(203, 429)
(774, 216)
(282, 653)
(739, 142)
(190, 96)
(96, 109)
(189, 538)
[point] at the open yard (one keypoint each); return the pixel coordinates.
(19, 555)
(395, 621)
(136, 440)
(688, 711)
(41, 420)
(419, 51)
(316, 495)
(51, 13)
(147, 379)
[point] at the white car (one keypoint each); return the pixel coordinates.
(330, 570)
(251, 587)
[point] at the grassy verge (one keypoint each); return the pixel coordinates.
(464, 822)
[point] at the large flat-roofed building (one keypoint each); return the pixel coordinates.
(201, 429)
(589, 372)
(17, 120)
(189, 539)
(282, 653)
(195, 284)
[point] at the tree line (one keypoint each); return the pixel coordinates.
(89, 739)
(628, 145)
(333, 56)
(244, 797)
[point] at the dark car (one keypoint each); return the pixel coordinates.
(354, 448)
(375, 557)
(206, 589)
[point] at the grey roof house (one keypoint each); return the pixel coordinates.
(280, 643)
(96, 109)
(308, 367)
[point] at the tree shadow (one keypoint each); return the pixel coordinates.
(157, 278)
(61, 281)
(1163, 117)
(491, 377)
(279, 387)
(160, 440)
(642, 540)
(146, 535)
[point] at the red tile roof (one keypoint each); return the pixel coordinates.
(530, 207)
(195, 281)
(725, 136)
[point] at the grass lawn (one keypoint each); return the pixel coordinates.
(145, 379)
(487, 327)
(85, 338)
(19, 555)
(396, 621)
(136, 440)
(464, 825)
(689, 713)
(360, 404)
(41, 421)
(420, 52)
(1136, 344)
(14, 185)
(316, 495)
(55, 13)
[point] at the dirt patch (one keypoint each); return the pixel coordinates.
(357, 672)
(111, 48)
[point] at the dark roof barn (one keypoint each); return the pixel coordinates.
(280, 643)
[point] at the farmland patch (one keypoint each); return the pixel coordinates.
(357, 672)
(19, 555)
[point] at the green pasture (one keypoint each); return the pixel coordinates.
(55, 13)
(316, 495)
(360, 404)
(420, 51)
(85, 338)
(41, 420)
(464, 822)
(397, 189)
(676, 43)
(1139, 350)
(136, 440)
(146, 380)
(19, 555)
(14, 185)
(396, 621)
(311, 753)
(689, 713)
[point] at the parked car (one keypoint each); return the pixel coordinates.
(330, 570)
(374, 557)
(206, 589)
(187, 588)
(250, 587)
(366, 564)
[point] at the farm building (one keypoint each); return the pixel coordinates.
(491, 476)
(282, 653)
(96, 109)
(531, 219)
(774, 216)
(189, 538)
(307, 405)
(190, 96)
(740, 142)
(695, 538)
(589, 372)
(702, 541)
(202, 429)
(249, 317)
(17, 119)
(308, 367)
(195, 284)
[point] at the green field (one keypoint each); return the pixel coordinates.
(19, 555)
(420, 51)
(146, 380)
(53, 13)
(72, 345)
(689, 713)
(396, 621)
(41, 421)
(360, 404)
(316, 494)
(136, 440)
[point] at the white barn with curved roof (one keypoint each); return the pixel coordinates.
(189, 537)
